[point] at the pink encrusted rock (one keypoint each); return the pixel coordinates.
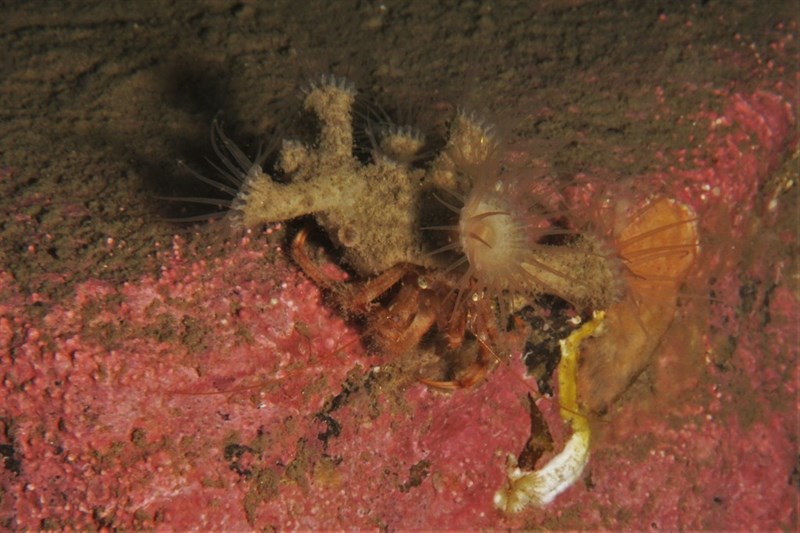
(224, 394)
(119, 403)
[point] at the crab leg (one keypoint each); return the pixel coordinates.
(355, 300)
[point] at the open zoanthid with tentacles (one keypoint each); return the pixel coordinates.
(451, 245)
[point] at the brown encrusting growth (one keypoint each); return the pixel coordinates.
(379, 213)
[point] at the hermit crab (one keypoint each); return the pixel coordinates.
(453, 233)
(445, 250)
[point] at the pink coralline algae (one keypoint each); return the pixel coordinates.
(224, 394)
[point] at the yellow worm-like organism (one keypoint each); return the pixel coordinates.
(540, 487)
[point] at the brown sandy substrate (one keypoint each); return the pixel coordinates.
(99, 102)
